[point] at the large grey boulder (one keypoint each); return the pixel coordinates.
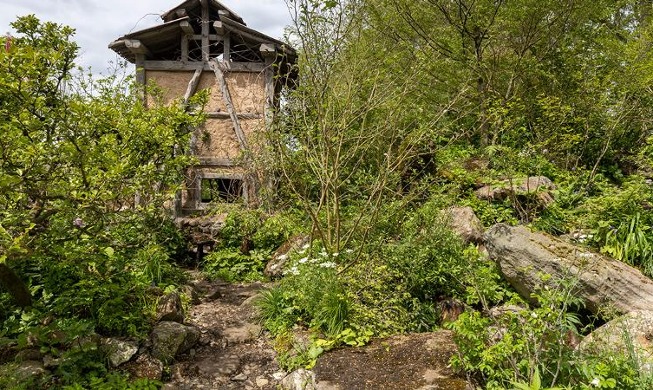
(170, 339)
(602, 282)
(630, 335)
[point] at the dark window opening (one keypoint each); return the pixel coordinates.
(221, 190)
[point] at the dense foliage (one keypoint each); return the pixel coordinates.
(402, 108)
(85, 172)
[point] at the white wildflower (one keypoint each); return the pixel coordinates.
(349, 251)
(292, 271)
(282, 257)
(586, 255)
(306, 246)
(328, 264)
(323, 254)
(595, 382)
(303, 260)
(336, 254)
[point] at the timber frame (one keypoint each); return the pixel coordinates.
(203, 45)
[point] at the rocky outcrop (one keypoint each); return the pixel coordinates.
(527, 195)
(170, 339)
(464, 222)
(631, 333)
(602, 282)
(529, 185)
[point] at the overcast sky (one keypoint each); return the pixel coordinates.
(99, 22)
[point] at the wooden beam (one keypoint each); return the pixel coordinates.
(192, 85)
(191, 66)
(226, 43)
(268, 50)
(270, 94)
(181, 13)
(140, 69)
(137, 47)
(184, 48)
(226, 115)
(219, 27)
(226, 95)
(188, 29)
(245, 67)
(214, 161)
(205, 30)
(199, 37)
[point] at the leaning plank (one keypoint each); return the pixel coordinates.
(602, 283)
(226, 115)
(226, 95)
(192, 85)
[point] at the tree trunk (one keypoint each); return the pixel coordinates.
(15, 286)
(602, 282)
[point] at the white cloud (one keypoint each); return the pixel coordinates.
(99, 22)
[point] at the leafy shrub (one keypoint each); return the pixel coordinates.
(230, 264)
(511, 347)
(631, 242)
(246, 243)
(530, 349)
(310, 294)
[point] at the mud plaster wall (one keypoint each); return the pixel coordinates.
(247, 89)
(247, 92)
(217, 138)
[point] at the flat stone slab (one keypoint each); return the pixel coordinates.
(412, 361)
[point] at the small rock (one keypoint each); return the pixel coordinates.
(299, 380)
(464, 222)
(279, 375)
(28, 354)
(145, 366)
(500, 311)
(249, 302)
(29, 372)
(169, 308)
(170, 339)
(239, 378)
(241, 334)
(191, 293)
(262, 382)
(215, 294)
(50, 362)
(119, 351)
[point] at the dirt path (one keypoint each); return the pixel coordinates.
(233, 352)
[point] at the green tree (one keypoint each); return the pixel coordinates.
(75, 151)
(564, 77)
